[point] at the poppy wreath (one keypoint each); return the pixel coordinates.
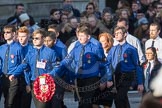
(44, 92)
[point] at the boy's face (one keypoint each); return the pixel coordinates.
(83, 38)
(49, 42)
(56, 15)
(119, 35)
(38, 40)
(8, 34)
(23, 38)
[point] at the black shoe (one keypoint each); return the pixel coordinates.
(64, 106)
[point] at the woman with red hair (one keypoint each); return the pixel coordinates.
(104, 99)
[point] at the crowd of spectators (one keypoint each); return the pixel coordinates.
(139, 13)
(141, 20)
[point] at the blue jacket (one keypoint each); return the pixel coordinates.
(92, 57)
(47, 56)
(129, 60)
(71, 74)
(60, 49)
(95, 42)
(61, 53)
(14, 60)
(25, 49)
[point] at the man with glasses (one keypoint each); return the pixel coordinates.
(10, 59)
(91, 9)
(39, 60)
(125, 62)
(132, 40)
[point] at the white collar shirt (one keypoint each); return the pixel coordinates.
(157, 45)
(152, 66)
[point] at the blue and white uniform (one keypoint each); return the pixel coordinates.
(47, 57)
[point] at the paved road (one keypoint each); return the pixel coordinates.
(134, 99)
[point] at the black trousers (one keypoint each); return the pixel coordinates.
(9, 90)
(39, 104)
(87, 96)
(123, 82)
(57, 100)
(23, 99)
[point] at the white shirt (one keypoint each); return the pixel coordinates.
(71, 46)
(157, 45)
(106, 54)
(132, 40)
(152, 66)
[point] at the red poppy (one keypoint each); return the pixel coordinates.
(44, 92)
(12, 56)
(45, 61)
(88, 56)
(157, 49)
(125, 55)
(144, 66)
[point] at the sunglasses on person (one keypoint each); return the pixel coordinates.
(35, 38)
(7, 32)
(89, 8)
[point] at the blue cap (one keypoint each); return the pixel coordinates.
(143, 21)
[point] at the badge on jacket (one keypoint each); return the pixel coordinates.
(41, 64)
(88, 56)
(12, 58)
(125, 57)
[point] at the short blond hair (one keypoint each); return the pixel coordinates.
(39, 31)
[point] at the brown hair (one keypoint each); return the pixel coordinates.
(153, 49)
(84, 28)
(156, 24)
(124, 30)
(54, 27)
(91, 3)
(10, 27)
